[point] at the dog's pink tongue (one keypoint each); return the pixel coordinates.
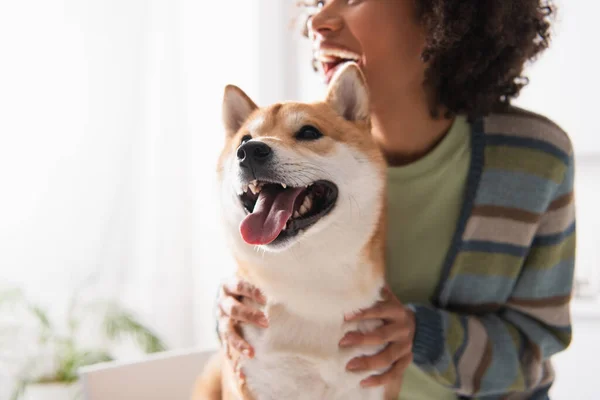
(272, 211)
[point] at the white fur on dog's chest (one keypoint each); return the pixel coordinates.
(297, 359)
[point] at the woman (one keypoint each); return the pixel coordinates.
(481, 239)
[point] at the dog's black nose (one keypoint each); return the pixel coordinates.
(253, 153)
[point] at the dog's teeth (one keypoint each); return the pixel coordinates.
(303, 209)
(244, 188)
(284, 185)
(296, 214)
(307, 202)
(254, 182)
(254, 188)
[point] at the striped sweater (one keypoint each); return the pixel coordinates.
(502, 306)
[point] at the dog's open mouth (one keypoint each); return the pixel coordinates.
(277, 212)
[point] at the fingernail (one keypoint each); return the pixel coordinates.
(262, 321)
(366, 383)
(247, 352)
(346, 341)
(262, 299)
(354, 365)
(351, 316)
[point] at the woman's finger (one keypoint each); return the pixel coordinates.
(393, 374)
(388, 356)
(237, 287)
(384, 334)
(240, 312)
(232, 338)
(386, 310)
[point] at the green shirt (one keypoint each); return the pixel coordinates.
(425, 199)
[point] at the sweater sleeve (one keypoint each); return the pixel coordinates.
(472, 353)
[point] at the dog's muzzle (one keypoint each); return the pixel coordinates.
(254, 158)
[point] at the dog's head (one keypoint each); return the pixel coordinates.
(295, 173)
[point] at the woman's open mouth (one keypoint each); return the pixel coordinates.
(331, 59)
(276, 212)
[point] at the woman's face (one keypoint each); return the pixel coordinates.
(383, 36)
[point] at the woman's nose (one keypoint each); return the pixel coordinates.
(325, 22)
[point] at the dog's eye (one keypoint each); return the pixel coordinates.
(308, 133)
(245, 139)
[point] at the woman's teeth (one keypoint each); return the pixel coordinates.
(336, 55)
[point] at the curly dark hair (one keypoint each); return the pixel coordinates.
(477, 50)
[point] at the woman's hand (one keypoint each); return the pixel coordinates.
(231, 312)
(396, 333)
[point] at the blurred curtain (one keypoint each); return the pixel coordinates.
(109, 134)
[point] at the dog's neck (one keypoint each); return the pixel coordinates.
(323, 279)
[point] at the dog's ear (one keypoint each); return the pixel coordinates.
(347, 93)
(237, 107)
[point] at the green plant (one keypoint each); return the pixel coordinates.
(60, 345)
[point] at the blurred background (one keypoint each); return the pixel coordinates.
(109, 134)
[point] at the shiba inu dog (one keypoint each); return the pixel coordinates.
(302, 189)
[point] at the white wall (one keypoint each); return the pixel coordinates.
(564, 82)
(576, 368)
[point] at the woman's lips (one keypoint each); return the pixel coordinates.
(331, 58)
